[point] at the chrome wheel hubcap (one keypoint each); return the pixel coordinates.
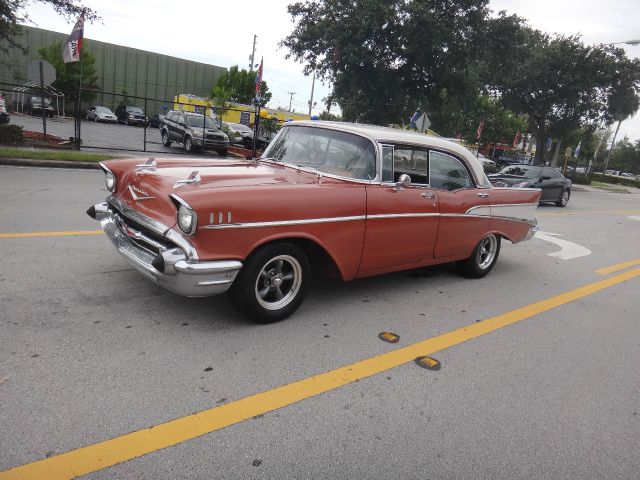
(278, 282)
(565, 198)
(487, 251)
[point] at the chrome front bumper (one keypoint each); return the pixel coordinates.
(169, 267)
(532, 231)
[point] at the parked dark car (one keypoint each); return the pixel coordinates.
(130, 115)
(193, 131)
(555, 187)
(101, 114)
(34, 106)
(155, 121)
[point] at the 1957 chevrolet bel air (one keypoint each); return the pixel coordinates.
(337, 199)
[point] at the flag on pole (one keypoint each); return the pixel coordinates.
(577, 152)
(516, 139)
(73, 46)
(259, 79)
(414, 119)
(479, 131)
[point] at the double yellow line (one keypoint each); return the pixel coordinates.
(126, 447)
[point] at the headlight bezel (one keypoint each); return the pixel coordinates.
(184, 211)
(110, 180)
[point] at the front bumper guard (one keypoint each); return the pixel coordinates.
(170, 268)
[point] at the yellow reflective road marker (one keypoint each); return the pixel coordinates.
(618, 267)
(126, 447)
(70, 233)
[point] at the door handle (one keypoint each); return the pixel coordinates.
(429, 195)
(484, 195)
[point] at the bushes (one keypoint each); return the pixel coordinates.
(626, 181)
(579, 178)
(10, 135)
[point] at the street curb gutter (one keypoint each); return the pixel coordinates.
(28, 162)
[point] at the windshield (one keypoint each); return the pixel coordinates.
(197, 121)
(328, 151)
(39, 100)
(524, 171)
(240, 127)
(103, 110)
(134, 110)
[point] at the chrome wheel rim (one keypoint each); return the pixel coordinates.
(278, 282)
(187, 144)
(565, 197)
(487, 251)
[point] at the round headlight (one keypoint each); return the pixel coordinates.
(110, 181)
(186, 219)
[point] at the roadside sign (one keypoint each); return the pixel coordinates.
(48, 72)
(423, 123)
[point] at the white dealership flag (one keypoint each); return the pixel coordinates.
(72, 48)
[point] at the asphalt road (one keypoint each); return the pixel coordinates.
(109, 136)
(90, 351)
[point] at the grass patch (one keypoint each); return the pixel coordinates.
(609, 187)
(49, 155)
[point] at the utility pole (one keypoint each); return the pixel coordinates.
(313, 84)
(291, 98)
(253, 53)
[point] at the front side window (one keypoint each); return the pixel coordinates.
(328, 151)
(447, 173)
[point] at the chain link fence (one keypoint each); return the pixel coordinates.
(116, 121)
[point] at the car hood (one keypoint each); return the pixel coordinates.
(148, 190)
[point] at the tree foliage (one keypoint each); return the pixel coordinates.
(240, 85)
(68, 74)
(13, 12)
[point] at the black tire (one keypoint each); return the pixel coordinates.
(564, 198)
(222, 152)
(165, 138)
(483, 258)
(272, 283)
(188, 144)
(95, 119)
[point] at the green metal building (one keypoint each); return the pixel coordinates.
(140, 73)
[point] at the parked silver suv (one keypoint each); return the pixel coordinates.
(193, 131)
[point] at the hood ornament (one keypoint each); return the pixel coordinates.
(149, 164)
(193, 178)
(138, 194)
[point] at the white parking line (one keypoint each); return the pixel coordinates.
(568, 250)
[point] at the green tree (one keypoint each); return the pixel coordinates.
(327, 115)
(562, 84)
(386, 58)
(13, 12)
(68, 74)
(241, 86)
(220, 95)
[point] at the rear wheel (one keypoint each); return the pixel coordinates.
(273, 283)
(222, 152)
(188, 144)
(564, 198)
(483, 258)
(165, 138)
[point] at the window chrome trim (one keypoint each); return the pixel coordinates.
(402, 215)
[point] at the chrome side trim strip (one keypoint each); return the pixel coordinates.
(522, 212)
(284, 223)
(402, 215)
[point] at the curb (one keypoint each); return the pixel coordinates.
(28, 162)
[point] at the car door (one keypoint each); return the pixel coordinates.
(402, 221)
(463, 207)
(554, 183)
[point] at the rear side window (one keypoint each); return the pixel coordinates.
(447, 173)
(413, 162)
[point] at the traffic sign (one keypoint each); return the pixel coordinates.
(423, 123)
(48, 72)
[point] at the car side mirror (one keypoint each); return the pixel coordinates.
(404, 181)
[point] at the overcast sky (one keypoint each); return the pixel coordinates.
(221, 33)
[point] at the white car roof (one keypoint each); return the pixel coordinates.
(392, 135)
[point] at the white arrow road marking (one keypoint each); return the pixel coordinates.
(568, 250)
(633, 217)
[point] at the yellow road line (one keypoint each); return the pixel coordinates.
(126, 447)
(71, 233)
(618, 267)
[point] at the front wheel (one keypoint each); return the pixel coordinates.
(483, 258)
(564, 199)
(273, 283)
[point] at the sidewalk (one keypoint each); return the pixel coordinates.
(592, 189)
